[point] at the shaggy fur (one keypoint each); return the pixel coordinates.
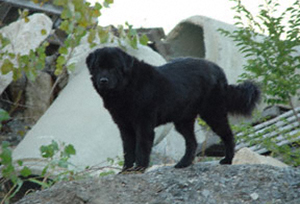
(140, 97)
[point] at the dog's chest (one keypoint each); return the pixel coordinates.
(119, 108)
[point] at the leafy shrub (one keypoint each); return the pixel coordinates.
(271, 47)
(79, 19)
(57, 157)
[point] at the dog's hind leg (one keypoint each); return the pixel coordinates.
(186, 129)
(218, 122)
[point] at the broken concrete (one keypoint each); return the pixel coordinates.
(23, 38)
(198, 36)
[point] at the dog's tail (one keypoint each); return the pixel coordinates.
(242, 98)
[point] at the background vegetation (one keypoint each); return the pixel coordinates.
(270, 42)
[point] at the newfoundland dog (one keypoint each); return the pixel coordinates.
(140, 97)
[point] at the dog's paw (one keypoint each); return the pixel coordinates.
(180, 165)
(134, 170)
(226, 161)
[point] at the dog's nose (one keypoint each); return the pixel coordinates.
(103, 80)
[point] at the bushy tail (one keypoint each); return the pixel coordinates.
(242, 98)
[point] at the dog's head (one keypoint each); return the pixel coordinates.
(109, 68)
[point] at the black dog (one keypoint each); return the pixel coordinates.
(140, 97)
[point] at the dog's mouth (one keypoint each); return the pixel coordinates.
(104, 84)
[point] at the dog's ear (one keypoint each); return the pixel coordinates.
(128, 61)
(90, 60)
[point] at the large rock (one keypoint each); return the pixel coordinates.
(200, 183)
(24, 37)
(247, 156)
(78, 117)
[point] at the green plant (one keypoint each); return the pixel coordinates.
(18, 64)
(3, 116)
(79, 19)
(9, 171)
(113, 164)
(56, 156)
(270, 46)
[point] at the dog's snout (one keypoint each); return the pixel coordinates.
(103, 80)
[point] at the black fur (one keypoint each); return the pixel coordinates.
(140, 97)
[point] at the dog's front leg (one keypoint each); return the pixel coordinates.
(129, 145)
(144, 142)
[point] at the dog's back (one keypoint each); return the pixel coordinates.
(193, 69)
(192, 80)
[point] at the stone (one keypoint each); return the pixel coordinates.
(273, 111)
(247, 156)
(38, 95)
(24, 37)
(254, 196)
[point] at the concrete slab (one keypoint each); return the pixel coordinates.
(198, 36)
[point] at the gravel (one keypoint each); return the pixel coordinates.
(200, 183)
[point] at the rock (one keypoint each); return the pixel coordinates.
(200, 183)
(254, 196)
(38, 97)
(273, 111)
(247, 156)
(24, 37)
